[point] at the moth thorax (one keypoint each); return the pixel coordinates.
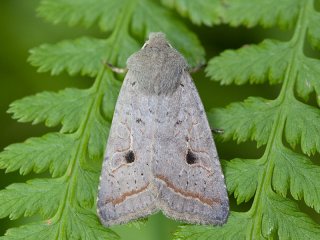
(164, 75)
(158, 69)
(160, 83)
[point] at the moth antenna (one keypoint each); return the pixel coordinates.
(114, 68)
(145, 44)
(217, 131)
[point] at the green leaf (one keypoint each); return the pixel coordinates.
(88, 179)
(52, 151)
(85, 225)
(251, 64)
(308, 77)
(79, 224)
(283, 216)
(84, 55)
(27, 199)
(302, 127)
(239, 12)
(251, 119)
(41, 230)
(233, 229)
(66, 107)
(139, 18)
(207, 12)
(109, 97)
(98, 138)
(313, 29)
(261, 12)
(296, 172)
(85, 12)
(242, 177)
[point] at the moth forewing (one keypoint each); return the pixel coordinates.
(160, 154)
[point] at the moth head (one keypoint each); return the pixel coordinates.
(157, 40)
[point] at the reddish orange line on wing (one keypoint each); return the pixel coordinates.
(124, 196)
(201, 198)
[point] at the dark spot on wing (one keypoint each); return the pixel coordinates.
(139, 120)
(178, 122)
(191, 158)
(130, 156)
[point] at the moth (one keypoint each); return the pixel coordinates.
(160, 154)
